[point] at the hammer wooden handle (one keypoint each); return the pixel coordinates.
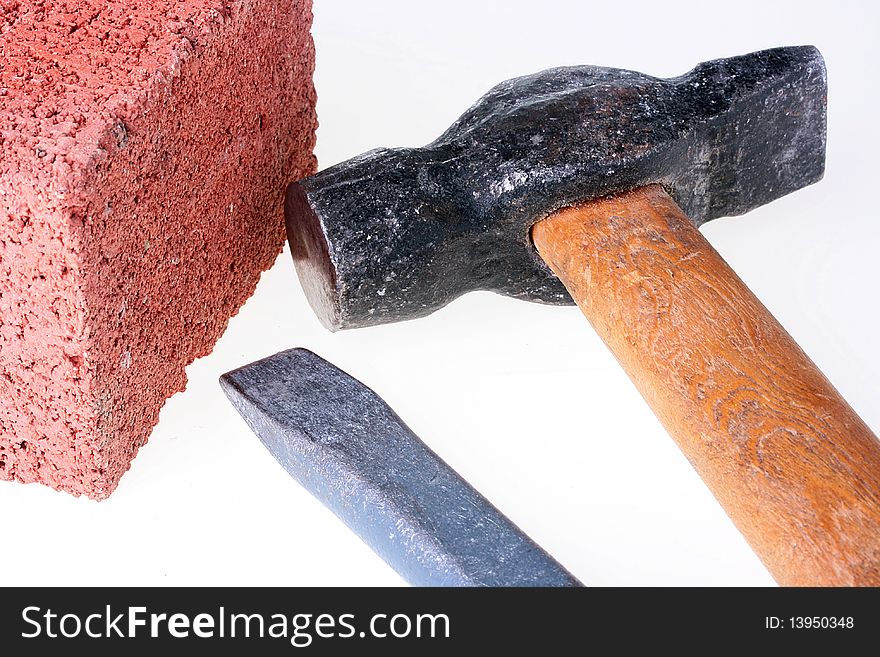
(792, 464)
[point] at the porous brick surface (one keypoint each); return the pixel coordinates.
(144, 150)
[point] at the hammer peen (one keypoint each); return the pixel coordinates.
(589, 184)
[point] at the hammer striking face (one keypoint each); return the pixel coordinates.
(397, 233)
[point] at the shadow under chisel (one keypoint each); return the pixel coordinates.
(348, 448)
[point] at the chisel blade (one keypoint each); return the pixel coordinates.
(347, 447)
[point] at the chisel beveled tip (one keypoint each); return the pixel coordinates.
(345, 445)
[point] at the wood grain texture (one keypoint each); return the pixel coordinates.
(792, 464)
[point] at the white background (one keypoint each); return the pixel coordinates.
(523, 400)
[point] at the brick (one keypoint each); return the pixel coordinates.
(144, 151)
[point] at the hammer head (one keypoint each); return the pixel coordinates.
(395, 234)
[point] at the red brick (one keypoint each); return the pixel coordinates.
(144, 150)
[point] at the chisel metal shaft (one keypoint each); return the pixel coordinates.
(347, 447)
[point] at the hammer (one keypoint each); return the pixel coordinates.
(589, 184)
